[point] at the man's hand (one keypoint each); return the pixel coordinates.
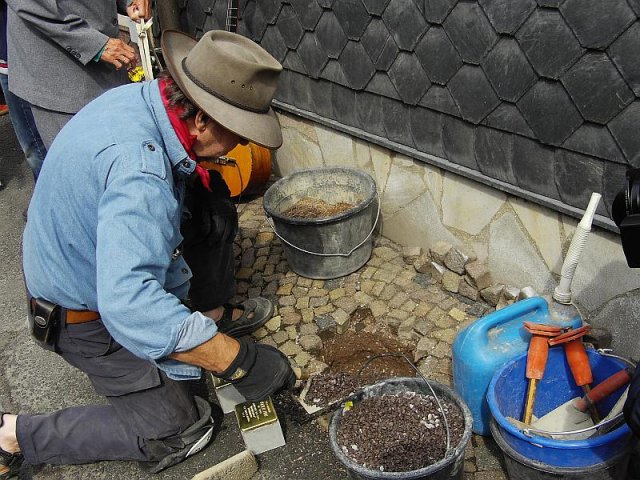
(117, 53)
(139, 9)
(256, 370)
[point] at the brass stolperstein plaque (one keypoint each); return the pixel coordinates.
(252, 415)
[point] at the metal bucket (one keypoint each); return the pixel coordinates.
(329, 247)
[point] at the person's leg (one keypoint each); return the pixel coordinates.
(49, 123)
(25, 127)
(151, 417)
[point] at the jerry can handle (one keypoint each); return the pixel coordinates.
(504, 315)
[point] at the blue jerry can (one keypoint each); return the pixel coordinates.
(493, 340)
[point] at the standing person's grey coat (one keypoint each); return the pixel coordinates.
(52, 46)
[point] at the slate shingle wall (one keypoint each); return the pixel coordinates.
(540, 95)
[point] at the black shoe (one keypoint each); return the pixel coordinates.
(11, 460)
(190, 442)
(262, 310)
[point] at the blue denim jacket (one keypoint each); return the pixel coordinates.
(104, 223)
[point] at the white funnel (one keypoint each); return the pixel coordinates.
(562, 293)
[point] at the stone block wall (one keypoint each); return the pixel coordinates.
(536, 98)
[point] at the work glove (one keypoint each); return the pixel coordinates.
(258, 371)
(214, 217)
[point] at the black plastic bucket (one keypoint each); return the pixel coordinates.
(329, 247)
(520, 467)
(449, 468)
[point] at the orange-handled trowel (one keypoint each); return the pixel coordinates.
(578, 362)
(536, 361)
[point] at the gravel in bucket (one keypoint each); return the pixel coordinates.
(308, 207)
(399, 433)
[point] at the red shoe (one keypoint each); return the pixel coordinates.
(3, 109)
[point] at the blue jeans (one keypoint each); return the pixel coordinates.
(25, 128)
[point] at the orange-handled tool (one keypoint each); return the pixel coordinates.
(604, 389)
(578, 362)
(536, 361)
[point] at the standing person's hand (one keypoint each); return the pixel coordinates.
(139, 9)
(118, 53)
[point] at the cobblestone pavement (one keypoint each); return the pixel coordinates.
(400, 298)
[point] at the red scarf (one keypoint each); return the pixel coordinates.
(182, 131)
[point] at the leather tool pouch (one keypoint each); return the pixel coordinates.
(43, 320)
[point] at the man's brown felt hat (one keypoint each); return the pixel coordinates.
(231, 78)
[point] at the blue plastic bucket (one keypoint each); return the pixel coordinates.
(506, 398)
(492, 341)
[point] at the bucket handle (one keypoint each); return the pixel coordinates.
(273, 227)
(530, 432)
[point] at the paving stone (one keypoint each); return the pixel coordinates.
(508, 70)
(492, 294)
(318, 301)
(585, 17)
(356, 64)
(447, 335)
(260, 333)
(422, 264)
(511, 293)
(423, 326)
(405, 22)
(424, 348)
(268, 340)
(442, 350)
(288, 300)
(479, 274)
(422, 308)
(595, 140)
(330, 35)
(290, 348)
(450, 281)
(506, 16)
(399, 314)
(423, 280)
(292, 331)
(410, 254)
(426, 127)
(488, 456)
(446, 321)
(507, 117)
(325, 323)
(455, 260)
(302, 359)
(447, 303)
(470, 31)
(439, 98)
(291, 318)
(438, 56)
(473, 93)
(378, 308)
(458, 138)
(624, 130)
(409, 78)
(435, 314)
(280, 337)
(533, 166)
(577, 176)
(399, 299)
(310, 343)
(437, 10)
(274, 323)
(491, 475)
(440, 250)
(405, 329)
(597, 88)
(302, 303)
(539, 38)
(457, 314)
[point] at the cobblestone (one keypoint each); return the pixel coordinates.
(400, 298)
